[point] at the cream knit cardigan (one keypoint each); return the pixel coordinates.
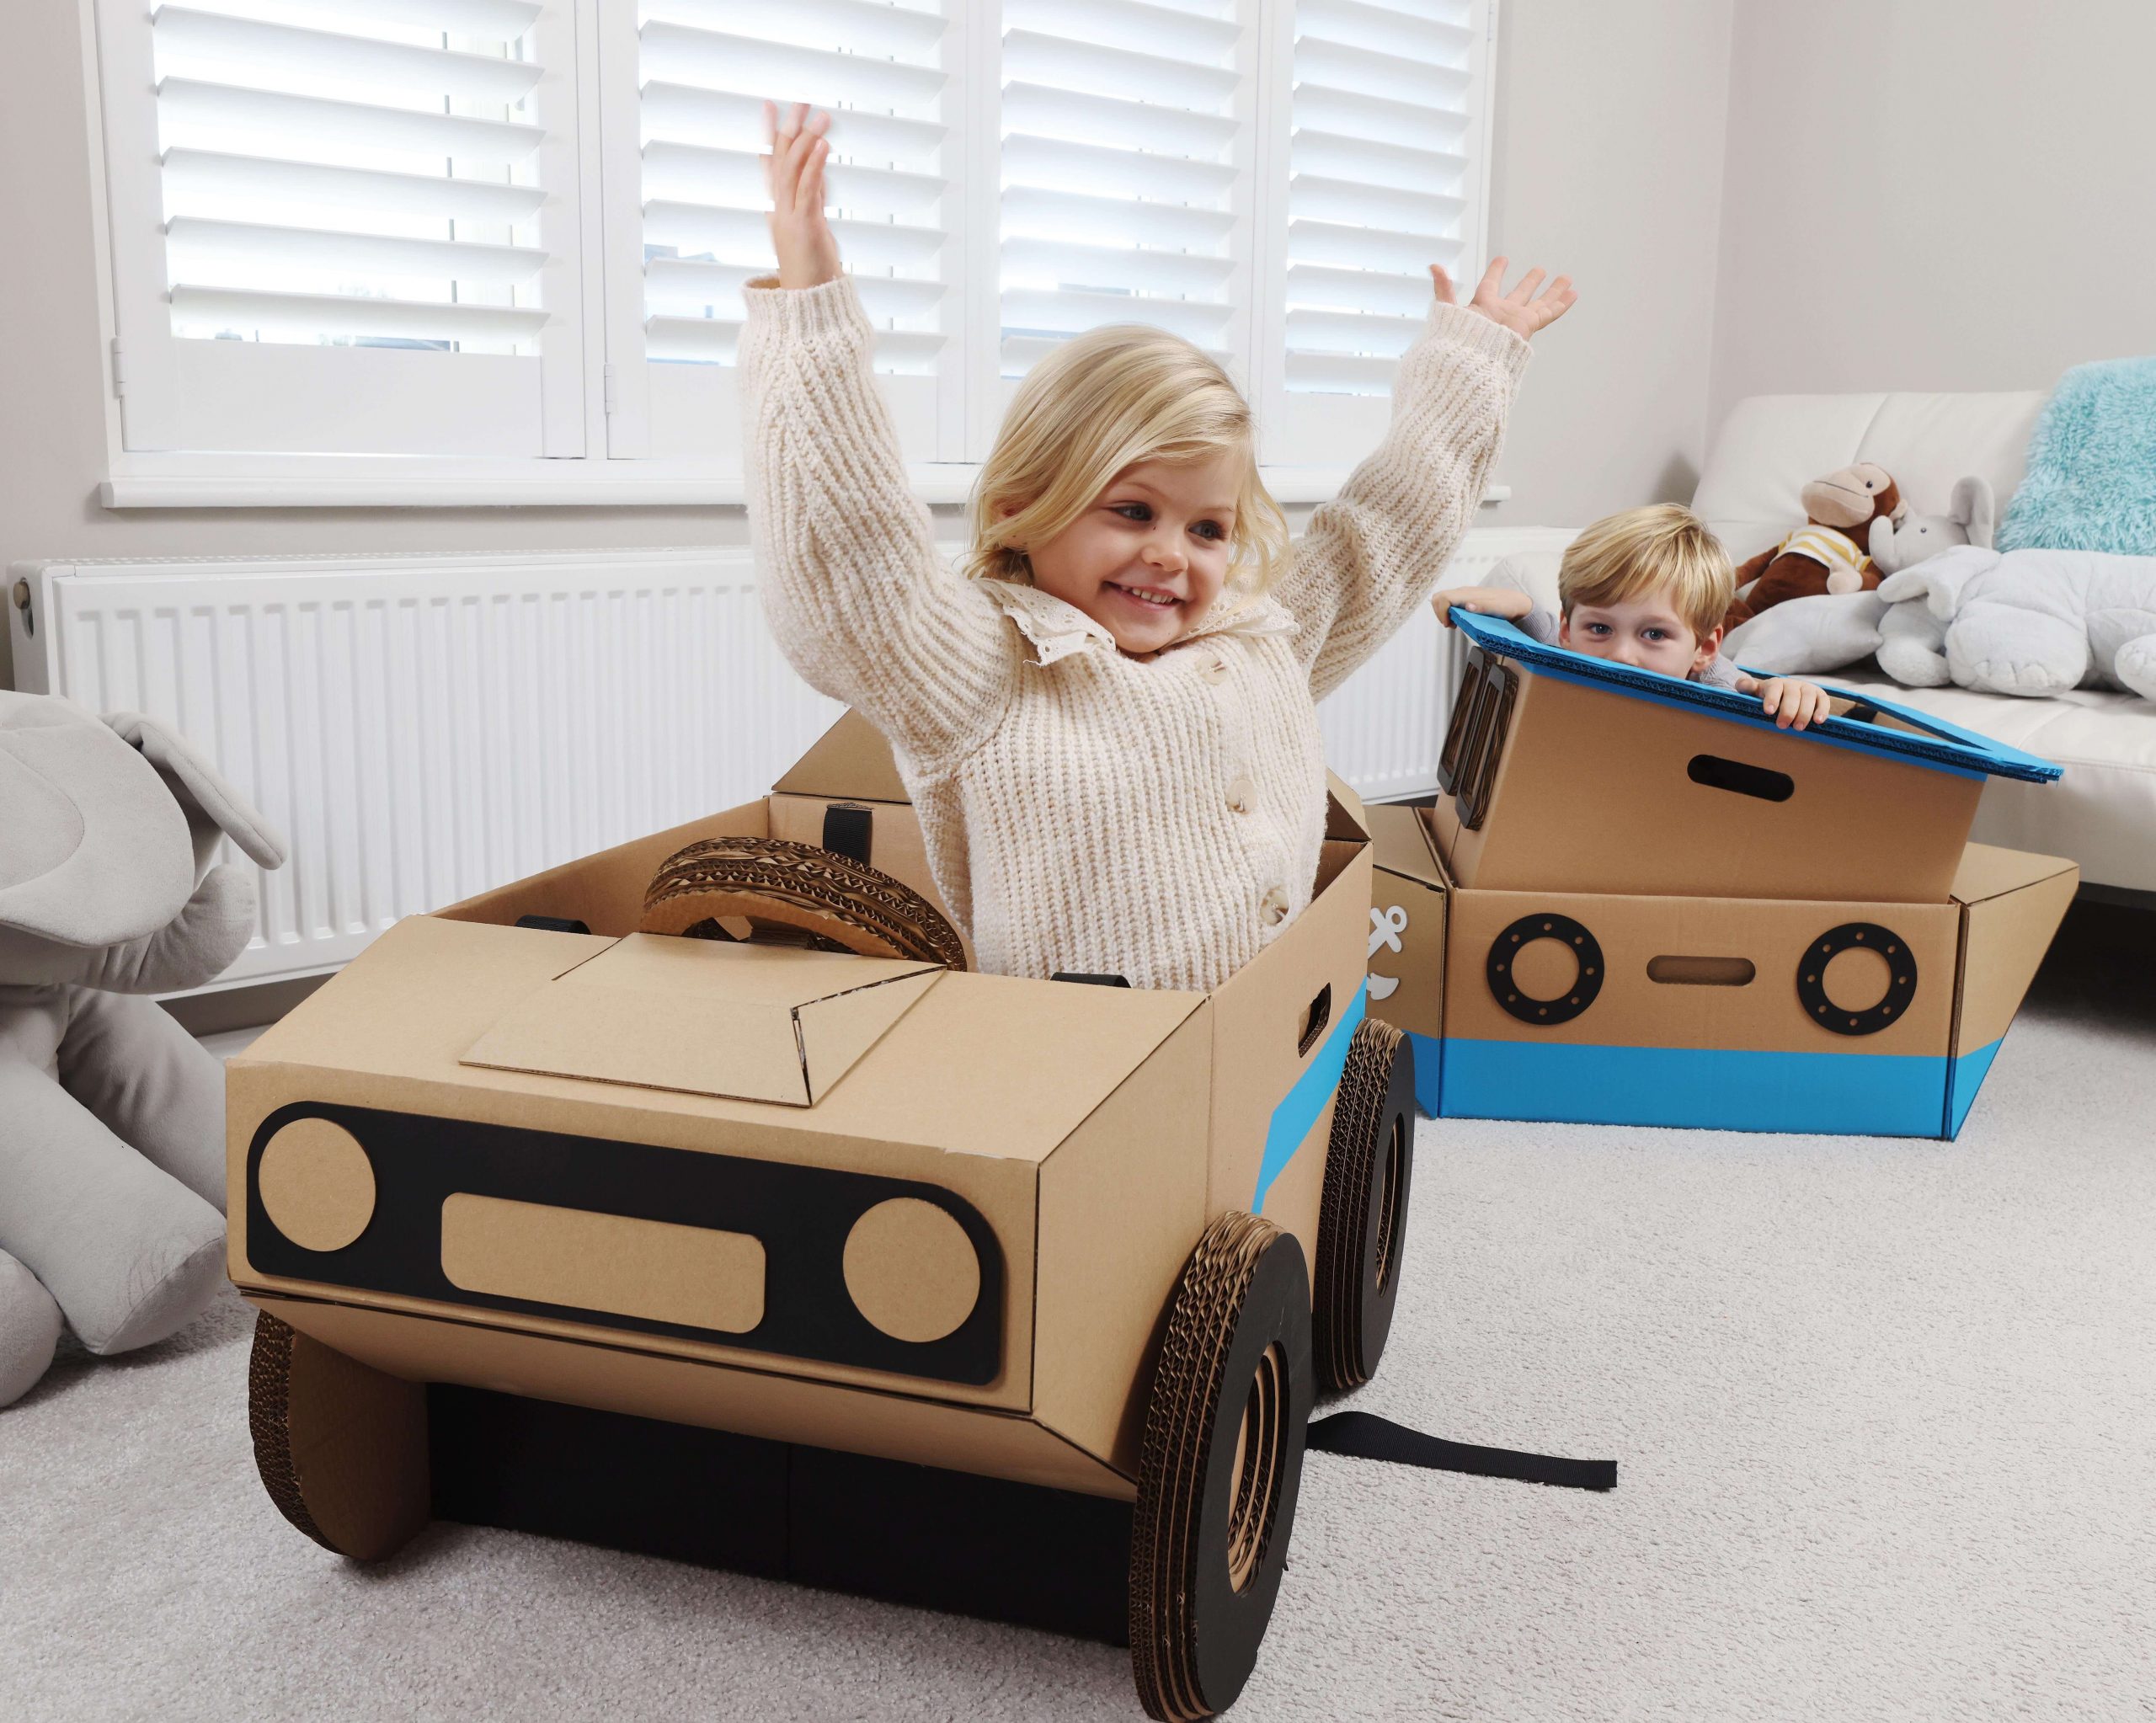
(1158, 819)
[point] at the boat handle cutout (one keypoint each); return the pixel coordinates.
(1719, 773)
(1702, 972)
(1314, 1022)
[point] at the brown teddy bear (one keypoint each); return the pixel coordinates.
(1828, 553)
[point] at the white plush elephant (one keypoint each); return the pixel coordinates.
(2031, 622)
(1912, 641)
(112, 1151)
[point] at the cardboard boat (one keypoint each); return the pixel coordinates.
(1640, 903)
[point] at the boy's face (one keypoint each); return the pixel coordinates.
(1644, 633)
(1150, 554)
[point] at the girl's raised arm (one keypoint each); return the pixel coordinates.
(856, 594)
(1376, 551)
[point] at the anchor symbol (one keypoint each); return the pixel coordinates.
(1386, 926)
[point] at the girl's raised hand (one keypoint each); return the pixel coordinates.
(807, 251)
(1522, 311)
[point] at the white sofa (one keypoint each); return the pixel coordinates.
(2102, 814)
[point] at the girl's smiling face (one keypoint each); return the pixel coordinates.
(1644, 633)
(1149, 555)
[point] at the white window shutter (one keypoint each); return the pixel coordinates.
(703, 69)
(1384, 171)
(1125, 171)
(347, 226)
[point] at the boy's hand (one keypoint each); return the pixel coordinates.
(1793, 702)
(1522, 311)
(807, 251)
(1481, 601)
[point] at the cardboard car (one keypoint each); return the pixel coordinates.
(526, 1161)
(1640, 903)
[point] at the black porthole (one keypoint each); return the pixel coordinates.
(1856, 936)
(1544, 1013)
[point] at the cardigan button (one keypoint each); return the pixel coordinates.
(1272, 906)
(1214, 671)
(1242, 796)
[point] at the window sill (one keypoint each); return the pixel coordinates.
(936, 485)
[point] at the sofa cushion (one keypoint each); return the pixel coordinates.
(1770, 446)
(2102, 813)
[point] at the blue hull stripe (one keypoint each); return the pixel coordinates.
(1969, 1071)
(1896, 1095)
(1298, 1112)
(1429, 1073)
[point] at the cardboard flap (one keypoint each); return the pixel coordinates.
(1345, 816)
(1917, 737)
(1988, 871)
(2016, 903)
(850, 762)
(1402, 843)
(750, 1022)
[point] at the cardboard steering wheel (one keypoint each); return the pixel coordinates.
(796, 893)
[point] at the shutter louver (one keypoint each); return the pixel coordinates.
(1381, 146)
(347, 173)
(1120, 129)
(706, 66)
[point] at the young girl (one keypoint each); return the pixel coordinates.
(1108, 721)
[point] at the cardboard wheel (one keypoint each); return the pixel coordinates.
(1221, 1468)
(342, 1448)
(1369, 1165)
(798, 892)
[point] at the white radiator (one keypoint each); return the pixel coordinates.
(424, 728)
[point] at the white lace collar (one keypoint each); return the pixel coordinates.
(1058, 628)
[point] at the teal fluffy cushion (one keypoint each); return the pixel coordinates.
(2091, 483)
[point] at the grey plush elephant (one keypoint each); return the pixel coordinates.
(1912, 641)
(2033, 622)
(112, 1133)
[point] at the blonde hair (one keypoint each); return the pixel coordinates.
(1663, 550)
(1098, 404)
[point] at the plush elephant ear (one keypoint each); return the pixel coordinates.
(213, 807)
(1881, 545)
(1976, 508)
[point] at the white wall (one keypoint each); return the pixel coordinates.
(1935, 194)
(1608, 165)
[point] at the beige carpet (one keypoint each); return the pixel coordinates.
(1885, 1412)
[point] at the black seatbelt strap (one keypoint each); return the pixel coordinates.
(1365, 1436)
(847, 831)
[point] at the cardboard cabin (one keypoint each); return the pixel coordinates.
(875, 1206)
(1637, 902)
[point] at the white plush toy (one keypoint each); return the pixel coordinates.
(2027, 621)
(1824, 630)
(1911, 639)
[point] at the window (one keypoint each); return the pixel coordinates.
(502, 243)
(1124, 172)
(345, 228)
(688, 230)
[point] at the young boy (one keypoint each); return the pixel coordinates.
(1647, 588)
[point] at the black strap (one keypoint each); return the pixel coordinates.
(845, 831)
(1365, 1436)
(552, 923)
(1091, 981)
